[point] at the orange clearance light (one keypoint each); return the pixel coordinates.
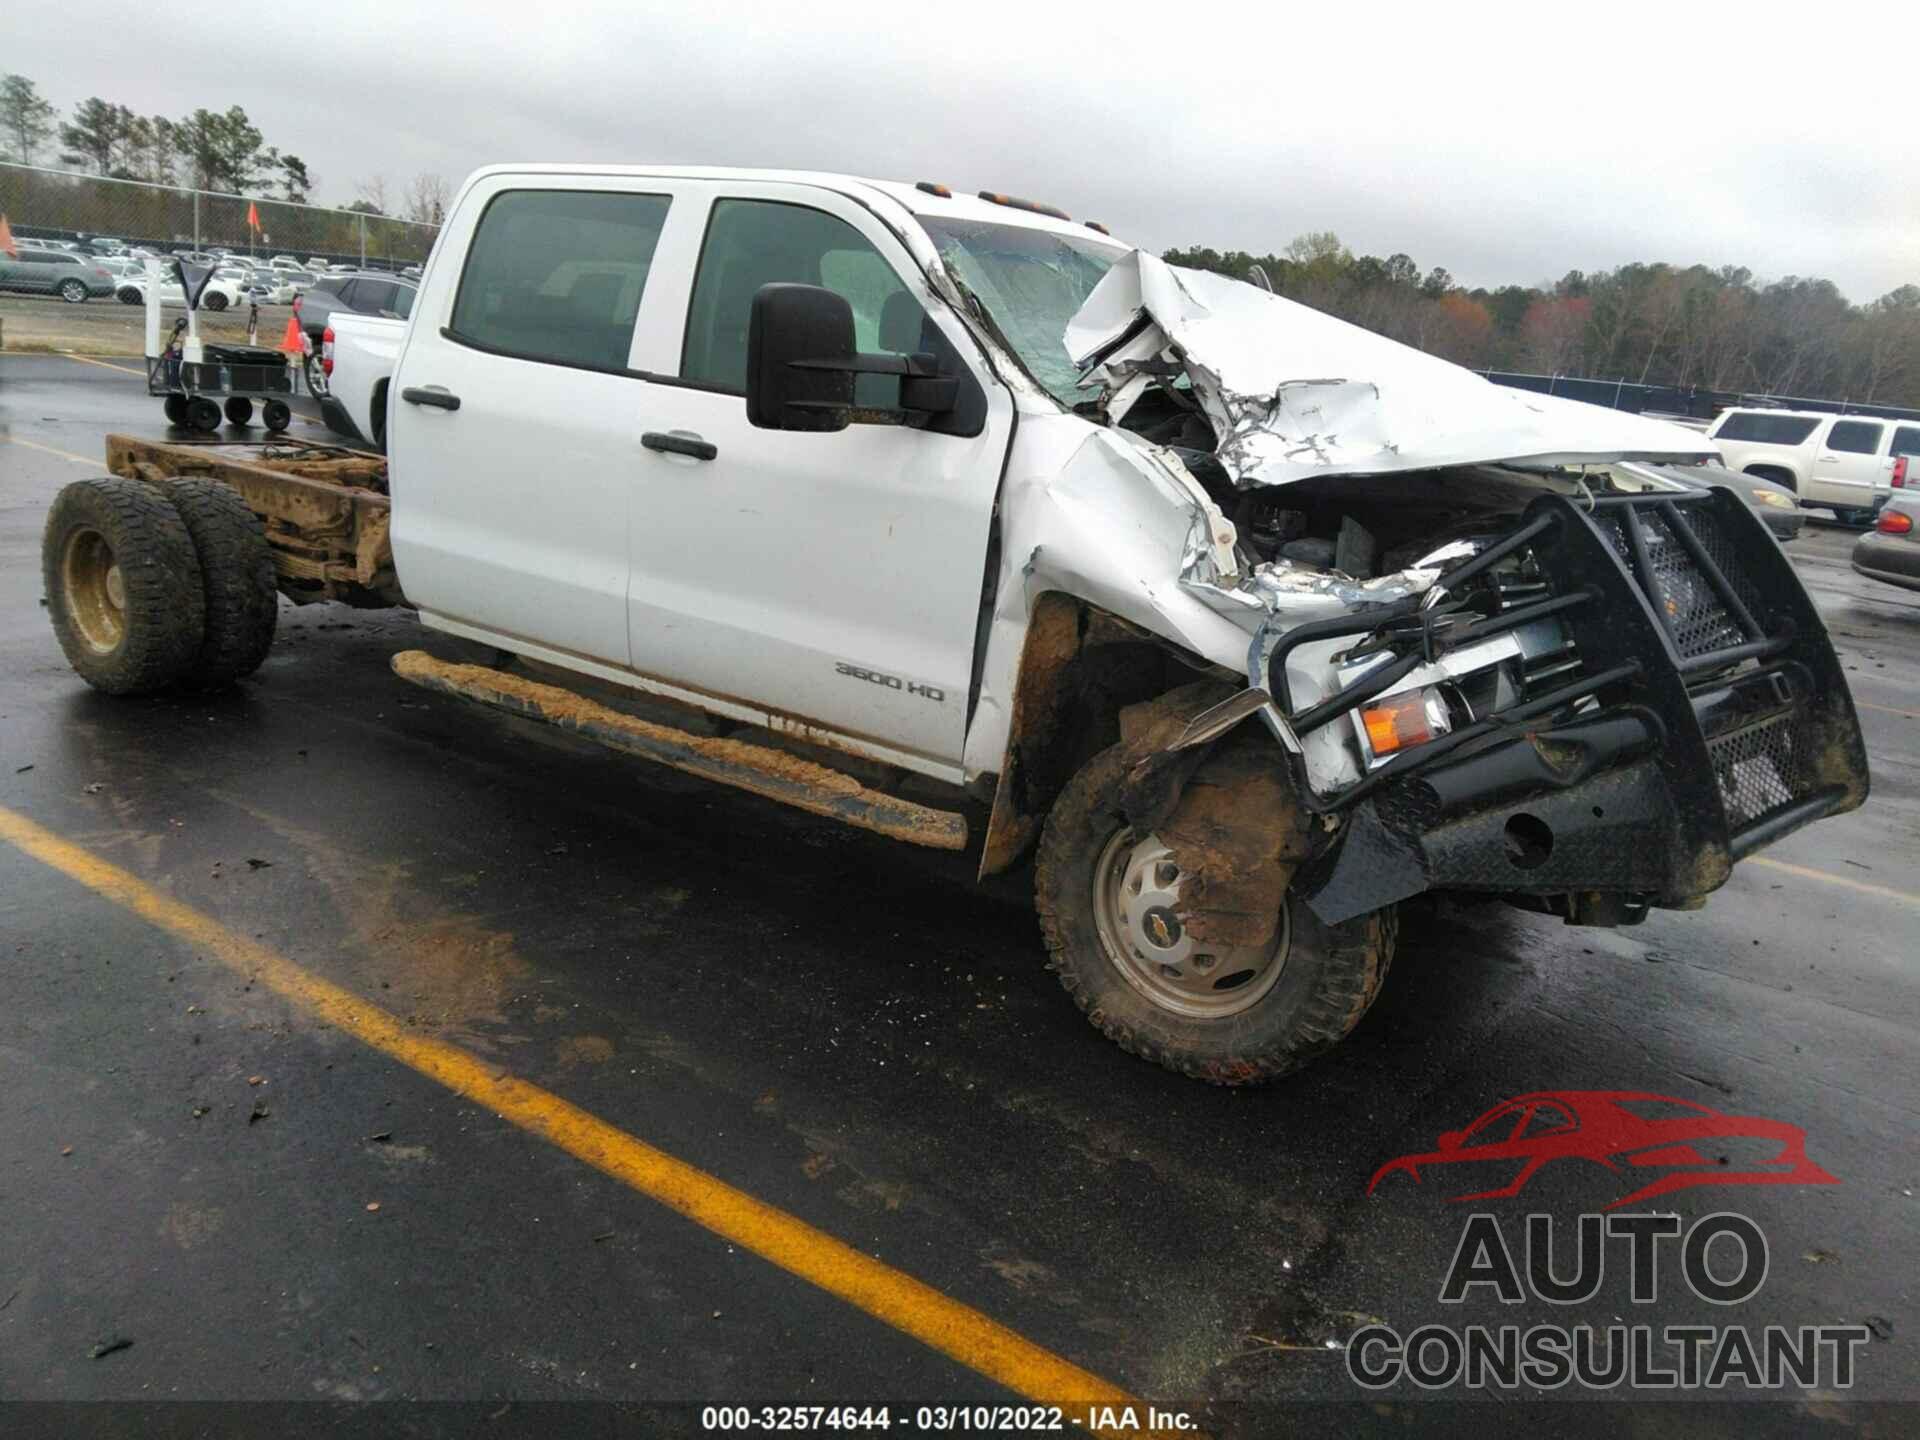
(1397, 722)
(932, 189)
(1096, 225)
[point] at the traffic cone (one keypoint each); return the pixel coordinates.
(294, 342)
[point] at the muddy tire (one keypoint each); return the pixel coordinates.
(123, 585)
(242, 603)
(1299, 1001)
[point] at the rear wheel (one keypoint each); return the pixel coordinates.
(1109, 903)
(316, 376)
(130, 295)
(213, 300)
(203, 414)
(239, 410)
(74, 292)
(123, 585)
(276, 415)
(242, 602)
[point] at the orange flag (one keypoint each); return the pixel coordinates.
(6, 240)
(253, 216)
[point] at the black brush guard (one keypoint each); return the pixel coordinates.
(1708, 717)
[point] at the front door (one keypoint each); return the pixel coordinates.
(516, 416)
(833, 578)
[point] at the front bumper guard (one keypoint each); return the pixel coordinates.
(1709, 717)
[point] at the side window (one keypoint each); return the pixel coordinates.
(346, 293)
(557, 275)
(751, 243)
(1855, 437)
(1545, 1120)
(403, 300)
(373, 297)
(1496, 1129)
(1906, 440)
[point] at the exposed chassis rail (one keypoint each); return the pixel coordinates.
(325, 508)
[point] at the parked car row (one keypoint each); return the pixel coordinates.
(47, 270)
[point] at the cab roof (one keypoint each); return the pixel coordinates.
(904, 193)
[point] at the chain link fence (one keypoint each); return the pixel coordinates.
(65, 205)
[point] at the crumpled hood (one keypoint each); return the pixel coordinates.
(1293, 393)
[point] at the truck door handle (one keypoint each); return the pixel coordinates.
(438, 399)
(676, 444)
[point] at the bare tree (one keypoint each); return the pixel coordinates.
(375, 192)
(427, 198)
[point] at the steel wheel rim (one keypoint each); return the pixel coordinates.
(1136, 890)
(96, 592)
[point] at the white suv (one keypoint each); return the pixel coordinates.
(1842, 461)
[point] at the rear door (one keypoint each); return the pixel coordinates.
(516, 416)
(834, 579)
(1850, 465)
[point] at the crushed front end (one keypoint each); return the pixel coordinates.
(1596, 712)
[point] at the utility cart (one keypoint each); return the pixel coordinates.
(199, 381)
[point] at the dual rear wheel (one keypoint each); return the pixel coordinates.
(158, 587)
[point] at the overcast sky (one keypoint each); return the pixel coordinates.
(1507, 144)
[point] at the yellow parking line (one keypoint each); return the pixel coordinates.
(92, 460)
(1905, 897)
(890, 1296)
(1889, 709)
(89, 360)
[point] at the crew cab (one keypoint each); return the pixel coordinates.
(1845, 462)
(952, 518)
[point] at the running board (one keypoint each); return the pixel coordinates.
(764, 771)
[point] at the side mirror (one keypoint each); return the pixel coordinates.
(801, 367)
(799, 359)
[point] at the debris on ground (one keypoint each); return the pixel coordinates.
(380, 1137)
(253, 864)
(1819, 1257)
(107, 1347)
(95, 788)
(1881, 1327)
(21, 769)
(258, 1113)
(256, 1079)
(66, 1149)
(372, 1205)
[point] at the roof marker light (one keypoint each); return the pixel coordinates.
(1032, 206)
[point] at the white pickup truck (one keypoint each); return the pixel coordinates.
(951, 518)
(358, 355)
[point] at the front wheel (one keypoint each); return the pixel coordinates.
(74, 292)
(1109, 903)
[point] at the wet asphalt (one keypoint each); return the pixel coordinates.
(845, 1028)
